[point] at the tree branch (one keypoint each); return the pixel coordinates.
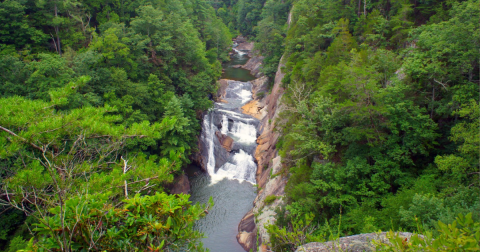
(23, 139)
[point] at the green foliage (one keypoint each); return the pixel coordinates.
(379, 102)
(462, 235)
(153, 223)
(16, 244)
(299, 233)
(270, 199)
(100, 96)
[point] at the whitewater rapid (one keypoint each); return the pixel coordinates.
(227, 119)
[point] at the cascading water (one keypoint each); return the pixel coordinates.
(231, 170)
(239, 52)
(227, 120)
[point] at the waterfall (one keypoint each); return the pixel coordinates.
(239, 52)
(208, 138)
(227, 121)
(224, 124)
(246, 133)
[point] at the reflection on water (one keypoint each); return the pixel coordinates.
(233, 199)
(239, 74)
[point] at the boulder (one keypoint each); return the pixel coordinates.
(354, 243)
(247, 232)
(239, 39)
(222, 88)
(225, 141)
(245, 46)
(254, 65)
(181, 185)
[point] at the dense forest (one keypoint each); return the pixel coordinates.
(100, 103)
(99, 110)
(380, 128)
(381, 120)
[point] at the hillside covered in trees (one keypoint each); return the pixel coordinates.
(99, 104)
(380, 124)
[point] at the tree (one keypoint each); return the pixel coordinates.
(76, 154)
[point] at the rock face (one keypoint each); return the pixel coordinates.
(354, 243)
(274, 186)
(244, 46)
(222, 87)
(247, 232)
(254, 65)
(257, 107)
(266, 150)
(181, 185)
(265, 107)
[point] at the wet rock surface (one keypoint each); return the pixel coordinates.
(223, 85)
(247, 232)
(225, 141)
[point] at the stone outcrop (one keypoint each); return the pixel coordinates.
(266, 149)
(354, 243)
(181, 185)
(225, 141)
(244, 46)
(257, 107)
(254, 64)
(265, 213)
(222, 87)
(247, 232)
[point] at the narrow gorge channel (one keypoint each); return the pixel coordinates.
(227, 146)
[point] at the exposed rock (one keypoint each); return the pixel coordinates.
(254, 65)
(266, 213)
(255, 109)
(181, 185)
(267, 141)
(223, 85)
(260, 87)
(257, 106)
(354, 243)
(244, 46)
(239, 39)
(247, 232)
(268, 160)
(221, 154)
(237, 66)
(200, 157)
(225, 141)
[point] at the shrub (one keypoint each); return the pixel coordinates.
(270, 199)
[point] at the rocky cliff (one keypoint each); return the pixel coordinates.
(265, 107)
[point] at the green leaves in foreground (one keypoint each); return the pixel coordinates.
(159, 222)
(462, 235)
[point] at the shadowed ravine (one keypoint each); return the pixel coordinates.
(230, 164)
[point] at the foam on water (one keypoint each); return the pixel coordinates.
(239, 52)
(240, 165)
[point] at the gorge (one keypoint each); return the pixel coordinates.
(227, 148)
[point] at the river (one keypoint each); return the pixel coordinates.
(231, 175)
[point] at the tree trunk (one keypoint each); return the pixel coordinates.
(57, 31)
(433, 99)
(359, 8)
(365, 8)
